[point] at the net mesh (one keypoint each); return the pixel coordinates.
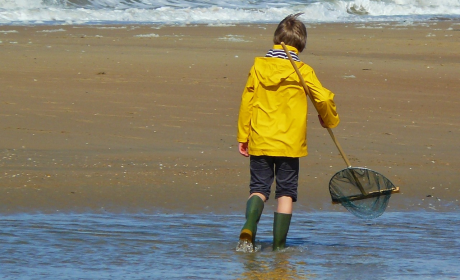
(363, 192)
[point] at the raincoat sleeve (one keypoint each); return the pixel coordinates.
(244, 117)
(323, 99)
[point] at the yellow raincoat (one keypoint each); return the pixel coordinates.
(273, 111)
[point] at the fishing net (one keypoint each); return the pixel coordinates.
(363, 192)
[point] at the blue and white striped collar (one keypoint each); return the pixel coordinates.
(281, 54)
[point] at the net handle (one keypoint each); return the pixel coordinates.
(369, 195)
(336, 142)
(307, 91)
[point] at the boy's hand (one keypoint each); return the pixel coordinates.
(243, 149)
(321, 122)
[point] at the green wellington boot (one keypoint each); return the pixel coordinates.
(254, 208)
(280, 230)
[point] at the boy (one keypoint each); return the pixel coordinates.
(272, 128)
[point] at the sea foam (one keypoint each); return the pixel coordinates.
(222, 12)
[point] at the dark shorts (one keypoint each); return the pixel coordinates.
(264, 169)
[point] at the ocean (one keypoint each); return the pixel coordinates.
(320, 245)
(221, 12)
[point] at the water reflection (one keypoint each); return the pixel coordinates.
(274, 265)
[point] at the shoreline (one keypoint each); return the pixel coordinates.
(107, 118)
(423, 19)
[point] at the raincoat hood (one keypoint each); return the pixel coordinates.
(270, 74)
(273, 74)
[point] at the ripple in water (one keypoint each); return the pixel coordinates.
(321, 245)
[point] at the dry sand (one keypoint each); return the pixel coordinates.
(143, 118)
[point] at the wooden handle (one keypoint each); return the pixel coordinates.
(307, 91)
(369, 195)
(336, 142)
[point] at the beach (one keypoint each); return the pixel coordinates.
(142, 118)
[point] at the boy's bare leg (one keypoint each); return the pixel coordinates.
(284, 205)
(259, 195)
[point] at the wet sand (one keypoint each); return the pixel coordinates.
(143, 118)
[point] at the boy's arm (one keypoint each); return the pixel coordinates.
(322, 122)
(244, 117)
(323, 100)
(243, 149)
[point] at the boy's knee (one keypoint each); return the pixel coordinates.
(261, 195)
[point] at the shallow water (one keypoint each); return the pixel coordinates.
(321, 245)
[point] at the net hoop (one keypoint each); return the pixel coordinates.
(362, 191)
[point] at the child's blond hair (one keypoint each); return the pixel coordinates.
(292, 32)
